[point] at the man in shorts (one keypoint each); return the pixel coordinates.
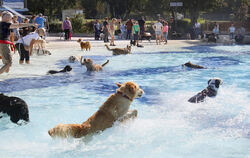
(5, 26)
(158, 31)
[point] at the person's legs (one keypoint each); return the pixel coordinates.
(6, 58)
(27, 56)
(66, 34)
(106, 34)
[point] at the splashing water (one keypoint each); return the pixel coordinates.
(167, 125)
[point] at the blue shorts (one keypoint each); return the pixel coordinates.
(157, 33)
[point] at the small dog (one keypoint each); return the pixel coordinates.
(14, 107)
(91, 66)
(84, 45)
(119, 51)
(115, 108)
(210, 91)
(191, 65)
(188, 36)
(73, 59)
(67, 68)
(62, 35)
(101, 36)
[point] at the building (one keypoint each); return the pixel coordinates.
(17, 5)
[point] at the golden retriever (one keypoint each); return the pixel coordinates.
(119, 51)
(84, 45)
(91, 66)
(115, 108)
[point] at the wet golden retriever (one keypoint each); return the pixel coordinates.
(119, 51)
(115, 108)
(84, 45)
(90, 64)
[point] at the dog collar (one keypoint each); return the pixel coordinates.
(124, 95)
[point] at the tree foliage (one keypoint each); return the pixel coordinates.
(127, 8)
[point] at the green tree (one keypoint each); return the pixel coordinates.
(49, 7)
(194, 7)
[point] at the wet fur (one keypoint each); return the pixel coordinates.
(191, 65)
(14, 107)
(210, 91)
(67, 68)
(91, 66)
(84, 45)
(119, 51)
(115, 108)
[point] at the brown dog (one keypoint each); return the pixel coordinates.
(191, 65)
(91, 66)
(115, 108)
(119, 51)
(84, 45)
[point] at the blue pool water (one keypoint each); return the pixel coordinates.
(167, 125)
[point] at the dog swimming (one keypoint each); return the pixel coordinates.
(67, 68)
(91, 66)
(210, 91)
(115, 108)
(16, 108)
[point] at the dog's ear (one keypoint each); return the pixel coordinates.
(208, 81)
(118, 84)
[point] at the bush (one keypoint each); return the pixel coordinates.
(55, 26)
(77, 23)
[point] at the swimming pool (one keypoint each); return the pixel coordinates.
(167, 125)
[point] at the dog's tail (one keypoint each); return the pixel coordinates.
(105, 63)
(108, 47)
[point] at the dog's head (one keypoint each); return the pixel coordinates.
(72, 59)
(67, 68)
(129, 48)
(87, 43)
(79, 40)
(187, 64)
(23, 113)
(87, 61)
(130, 89)
(214, 83)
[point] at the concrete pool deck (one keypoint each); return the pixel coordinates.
(61, 50)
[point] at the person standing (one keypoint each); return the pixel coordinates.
(197, 29)
(231, 30)
(240, 35)
(165, 32)
(129, 25)
(123, 31)
(216, 30)
(5, 26)
(97, 28)
(118, 31)
(40, 21)
(16, 30)
(141, 23)
(158, 31)
(136, 32)
(105, 30)
(25, 29)
(112, 32)
(67, 27)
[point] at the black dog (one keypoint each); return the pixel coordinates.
(210, 91)
(133, 42)
(15, 107)
(67, 68)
